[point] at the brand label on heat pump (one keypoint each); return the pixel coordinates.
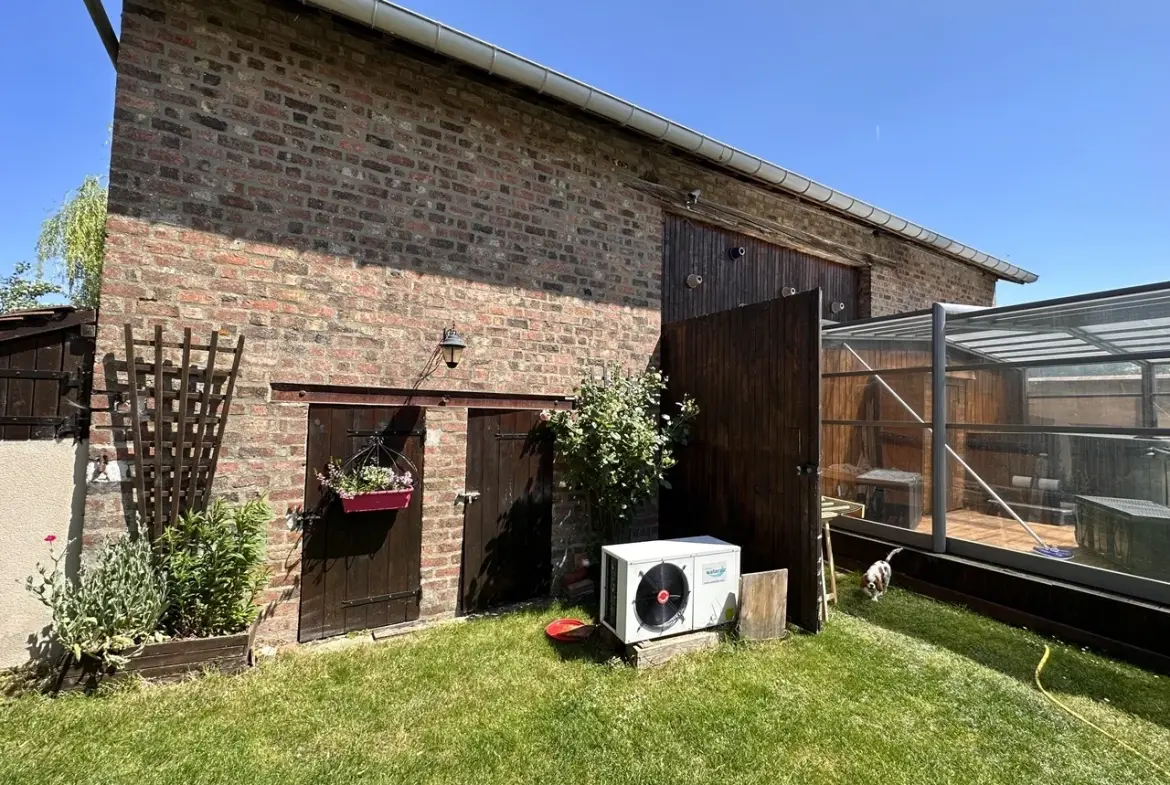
(715, 572)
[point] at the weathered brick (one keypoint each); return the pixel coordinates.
(213, 123)
(403, 199)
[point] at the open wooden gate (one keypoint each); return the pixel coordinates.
(359, 570)
(507, 529)
(750, 473)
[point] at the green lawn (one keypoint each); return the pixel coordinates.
(901, 691)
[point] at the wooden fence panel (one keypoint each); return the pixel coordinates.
(749, 474)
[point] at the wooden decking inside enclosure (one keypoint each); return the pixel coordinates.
(1003, 532)
(993, 530)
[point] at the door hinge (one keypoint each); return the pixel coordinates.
(387, 432)
(467, 497)
(398, 595)
(807, 469)
(78, 379)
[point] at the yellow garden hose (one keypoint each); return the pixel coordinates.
(1040, 667)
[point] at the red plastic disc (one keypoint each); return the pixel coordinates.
(568, 630)
(663, 596)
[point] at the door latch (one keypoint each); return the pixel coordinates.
(467, 497)
(807, 469)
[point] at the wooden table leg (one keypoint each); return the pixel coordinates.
(832, 565)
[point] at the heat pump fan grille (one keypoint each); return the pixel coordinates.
(662, 596)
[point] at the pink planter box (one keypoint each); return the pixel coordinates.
(378, 500)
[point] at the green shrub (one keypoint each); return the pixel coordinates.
(214, 565)
(616, 445)
(113, 606)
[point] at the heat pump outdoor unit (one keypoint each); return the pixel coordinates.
(666, 587)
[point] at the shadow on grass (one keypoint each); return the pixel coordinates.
(598, 648)
(28, 679)
(1012, 651)
(593, 649)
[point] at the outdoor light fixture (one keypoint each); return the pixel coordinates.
(452, 347)
(837, 308)
(737, 252)
(694, 281)
(787, 291)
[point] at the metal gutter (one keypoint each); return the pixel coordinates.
(449, 42)
(97, 12)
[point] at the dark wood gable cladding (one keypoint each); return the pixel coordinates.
(763, 273)
(748, 474)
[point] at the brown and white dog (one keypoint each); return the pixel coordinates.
(876, 579)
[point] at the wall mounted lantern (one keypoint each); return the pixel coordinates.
(452, 347)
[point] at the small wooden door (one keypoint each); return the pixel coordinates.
(359, 570)
(507, 529)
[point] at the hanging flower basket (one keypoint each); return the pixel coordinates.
(374, 479)
(378, 500)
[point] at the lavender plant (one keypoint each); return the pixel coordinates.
(112, 608)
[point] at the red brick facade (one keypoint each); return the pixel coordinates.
(339, 199)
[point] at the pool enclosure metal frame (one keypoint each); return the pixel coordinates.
(1130, 326)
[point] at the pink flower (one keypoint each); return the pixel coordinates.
(51, 538)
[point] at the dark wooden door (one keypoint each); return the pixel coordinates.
(749, 473)
(762, 273)
(507, 530)
(359, 570)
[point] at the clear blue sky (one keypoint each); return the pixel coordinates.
(1037, 131)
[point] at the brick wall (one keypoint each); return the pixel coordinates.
(442, 535)
(917, 282)
(339, 198)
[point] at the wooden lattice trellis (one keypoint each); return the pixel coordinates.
(179, 400)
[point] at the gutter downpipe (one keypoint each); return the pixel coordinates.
(429, 34)
(97, 12)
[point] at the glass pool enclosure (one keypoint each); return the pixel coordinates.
(1032, 436)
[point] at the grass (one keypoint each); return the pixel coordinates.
(901, 691)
